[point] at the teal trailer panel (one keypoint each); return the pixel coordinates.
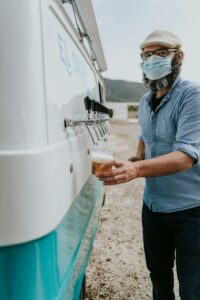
(53, 267)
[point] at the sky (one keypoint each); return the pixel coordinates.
(123, 25)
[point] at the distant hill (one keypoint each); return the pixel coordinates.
(123, 91)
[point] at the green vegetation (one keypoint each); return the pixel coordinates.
(123, 91)
(132, 108)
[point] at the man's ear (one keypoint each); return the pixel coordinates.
(181, 55)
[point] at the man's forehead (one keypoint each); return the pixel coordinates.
(154, 47)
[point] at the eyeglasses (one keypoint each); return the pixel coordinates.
(162, 52)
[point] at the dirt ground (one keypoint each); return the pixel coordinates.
(117, 268)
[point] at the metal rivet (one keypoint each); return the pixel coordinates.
(71, 168)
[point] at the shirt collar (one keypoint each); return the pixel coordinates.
(168, 95)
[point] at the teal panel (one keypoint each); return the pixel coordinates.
(52, 267)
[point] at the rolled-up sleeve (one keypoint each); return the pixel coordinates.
(188, 127)
(140, 137)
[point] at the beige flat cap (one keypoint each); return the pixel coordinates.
(162, 37)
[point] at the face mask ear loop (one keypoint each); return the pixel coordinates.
(176, 65)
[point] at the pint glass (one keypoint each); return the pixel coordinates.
(99, 158)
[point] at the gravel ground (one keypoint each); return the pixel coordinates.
(117, 268)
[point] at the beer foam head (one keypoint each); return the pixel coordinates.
(102, 156)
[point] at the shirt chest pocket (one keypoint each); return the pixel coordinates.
(166, 130)
(146, 129)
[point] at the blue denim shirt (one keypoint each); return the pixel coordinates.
(174, 125)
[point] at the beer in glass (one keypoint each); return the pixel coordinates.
(99, 158)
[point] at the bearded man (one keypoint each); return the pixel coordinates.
(168, 156)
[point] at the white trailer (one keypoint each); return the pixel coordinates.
(52, 112)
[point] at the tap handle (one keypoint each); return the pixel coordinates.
(110, 112)
(94, 106)
(88, 103)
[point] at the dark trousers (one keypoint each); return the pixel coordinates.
(166, 235)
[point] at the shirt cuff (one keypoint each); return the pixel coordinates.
(140, 138)
(190, 150)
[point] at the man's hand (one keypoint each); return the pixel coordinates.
(166, 164)
(123, 172)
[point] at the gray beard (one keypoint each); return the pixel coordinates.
(157, 85)
(165, 82)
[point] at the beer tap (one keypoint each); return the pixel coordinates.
(93, 125)
(102, 128)
(93, 107)
(105, 117)
(110, 113)
(105, 110)
(99, 119)
(72, 123)
(89, 131)
(88, 106)
(87, 122)
(98, 114)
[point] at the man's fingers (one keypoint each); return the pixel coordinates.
(110, 174)
(116, 179)
(106, 169)
(112, 163)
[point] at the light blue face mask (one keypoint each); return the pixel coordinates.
(157, 67)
